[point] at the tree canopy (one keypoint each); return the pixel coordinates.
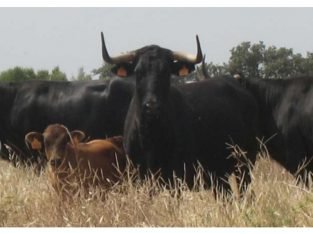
(22, 74)
(259, 61)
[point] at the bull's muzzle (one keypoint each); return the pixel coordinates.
(151, 108)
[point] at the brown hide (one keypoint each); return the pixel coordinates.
(74, 164)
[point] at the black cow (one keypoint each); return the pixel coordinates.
(286, 117)
(96, 107)
(172, 128)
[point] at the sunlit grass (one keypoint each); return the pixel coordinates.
(273, 199)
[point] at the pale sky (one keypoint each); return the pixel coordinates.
(42, 38)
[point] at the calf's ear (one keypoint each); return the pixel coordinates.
(77, 136)
(34, 140)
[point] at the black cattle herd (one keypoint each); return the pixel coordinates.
(169, 128)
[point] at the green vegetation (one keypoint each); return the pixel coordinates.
(24, 74)
(259, 61)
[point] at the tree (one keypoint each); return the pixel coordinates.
(278, 63)
(104, 72)
(43, 75)
(255, 60)
(304, 65)
(56, 74)
(82, 75)
(247, 59)
(212, 70)
(24, 74)
(18, 74)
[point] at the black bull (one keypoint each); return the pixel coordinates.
(96, 107)
(286, 114)
(173, 128)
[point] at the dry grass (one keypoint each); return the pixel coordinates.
(273, 200)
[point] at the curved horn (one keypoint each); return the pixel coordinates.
(180, 56)
(127, 57)
(205, 72)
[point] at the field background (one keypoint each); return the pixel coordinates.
(273, 199)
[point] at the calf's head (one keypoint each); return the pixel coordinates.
(55, 139)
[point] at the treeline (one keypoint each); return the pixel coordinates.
(22, 74)
(257, 60)
(251, 60)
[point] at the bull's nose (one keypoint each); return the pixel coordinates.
(151, 107)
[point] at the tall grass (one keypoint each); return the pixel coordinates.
(273, 199)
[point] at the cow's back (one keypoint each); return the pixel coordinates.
(103, 156)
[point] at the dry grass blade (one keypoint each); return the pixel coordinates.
(29, 200)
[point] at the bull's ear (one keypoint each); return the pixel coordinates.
(182, 68)
(77, 136)
(123, 69)
(34, 140)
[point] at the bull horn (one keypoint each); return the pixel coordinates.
(190, 58)
(124, 58)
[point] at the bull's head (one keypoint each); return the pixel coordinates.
(152, 66)
(55, 140)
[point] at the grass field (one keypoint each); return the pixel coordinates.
(273, 199)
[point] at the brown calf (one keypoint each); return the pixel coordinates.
(73, 163)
